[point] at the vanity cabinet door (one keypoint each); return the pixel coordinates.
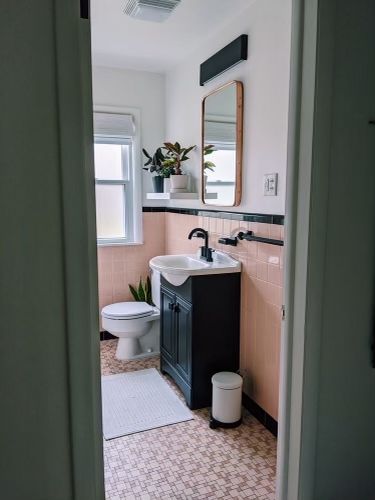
(183, 337)
(199, 332)
(167, 340)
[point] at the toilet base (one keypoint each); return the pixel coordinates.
(128, 348)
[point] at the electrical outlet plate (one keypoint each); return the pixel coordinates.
(270, 185)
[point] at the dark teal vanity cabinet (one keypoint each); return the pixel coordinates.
(200, 330)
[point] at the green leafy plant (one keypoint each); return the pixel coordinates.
(155, 163)
(207, 150)
(176, 154)
(142, 292)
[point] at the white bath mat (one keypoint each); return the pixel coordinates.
(139, 401)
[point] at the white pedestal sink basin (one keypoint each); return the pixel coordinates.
(177, 268)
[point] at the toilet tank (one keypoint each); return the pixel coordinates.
(155, 287)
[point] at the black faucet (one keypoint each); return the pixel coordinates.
(206, 252)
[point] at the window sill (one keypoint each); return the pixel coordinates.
(118, 243)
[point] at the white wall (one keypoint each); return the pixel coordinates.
(137, 89)
(171, 107)
(266, 85)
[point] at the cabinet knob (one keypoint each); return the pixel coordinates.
(171, 306)
(177, 308)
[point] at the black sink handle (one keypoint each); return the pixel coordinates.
(229, 241)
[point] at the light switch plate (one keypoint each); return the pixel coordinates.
(270, 184)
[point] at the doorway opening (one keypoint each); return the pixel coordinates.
(147, 98)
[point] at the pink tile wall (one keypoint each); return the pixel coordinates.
(260, 301)
(261, 286)
(120, 265)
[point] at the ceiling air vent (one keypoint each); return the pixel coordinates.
(150, 10)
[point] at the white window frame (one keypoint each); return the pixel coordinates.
(132, 182)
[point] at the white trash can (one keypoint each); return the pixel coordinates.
(226, 400)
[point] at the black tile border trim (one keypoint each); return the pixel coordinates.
(260, 414)
(240, 216)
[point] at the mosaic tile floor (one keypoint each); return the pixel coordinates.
(187, 460)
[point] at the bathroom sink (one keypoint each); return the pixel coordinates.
(177, 268)
(178, 262)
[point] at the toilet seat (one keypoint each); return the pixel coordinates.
(127, 310)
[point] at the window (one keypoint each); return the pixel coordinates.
(117, 210)
(221, 180)
(221, 132)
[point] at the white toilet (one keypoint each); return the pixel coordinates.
(130, 321)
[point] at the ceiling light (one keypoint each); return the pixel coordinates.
(150, 10)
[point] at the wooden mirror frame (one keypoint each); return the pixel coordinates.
(239, 142)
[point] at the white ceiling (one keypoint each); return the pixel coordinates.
(121, 41)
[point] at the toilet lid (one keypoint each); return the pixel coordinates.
(127, 310)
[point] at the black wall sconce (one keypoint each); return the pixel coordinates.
(226, 58)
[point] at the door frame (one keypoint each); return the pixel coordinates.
(75, 118)
(309, 139)
(304, 239)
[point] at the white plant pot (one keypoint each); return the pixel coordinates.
(167, 184)
(179, 182)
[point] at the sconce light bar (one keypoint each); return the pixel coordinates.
(226, 58)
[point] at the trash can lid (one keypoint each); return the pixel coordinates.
(227, 380)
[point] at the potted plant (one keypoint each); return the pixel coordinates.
(176, 155)
(207, 150)
(155, 163)
(207, 165)
(142, 292)
(167, 172)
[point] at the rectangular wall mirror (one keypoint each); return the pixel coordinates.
(222, 118)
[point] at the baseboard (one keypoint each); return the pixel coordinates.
(106, 336)
(260, 414)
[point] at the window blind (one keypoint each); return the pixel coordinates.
(114, 124)
(215, 131)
